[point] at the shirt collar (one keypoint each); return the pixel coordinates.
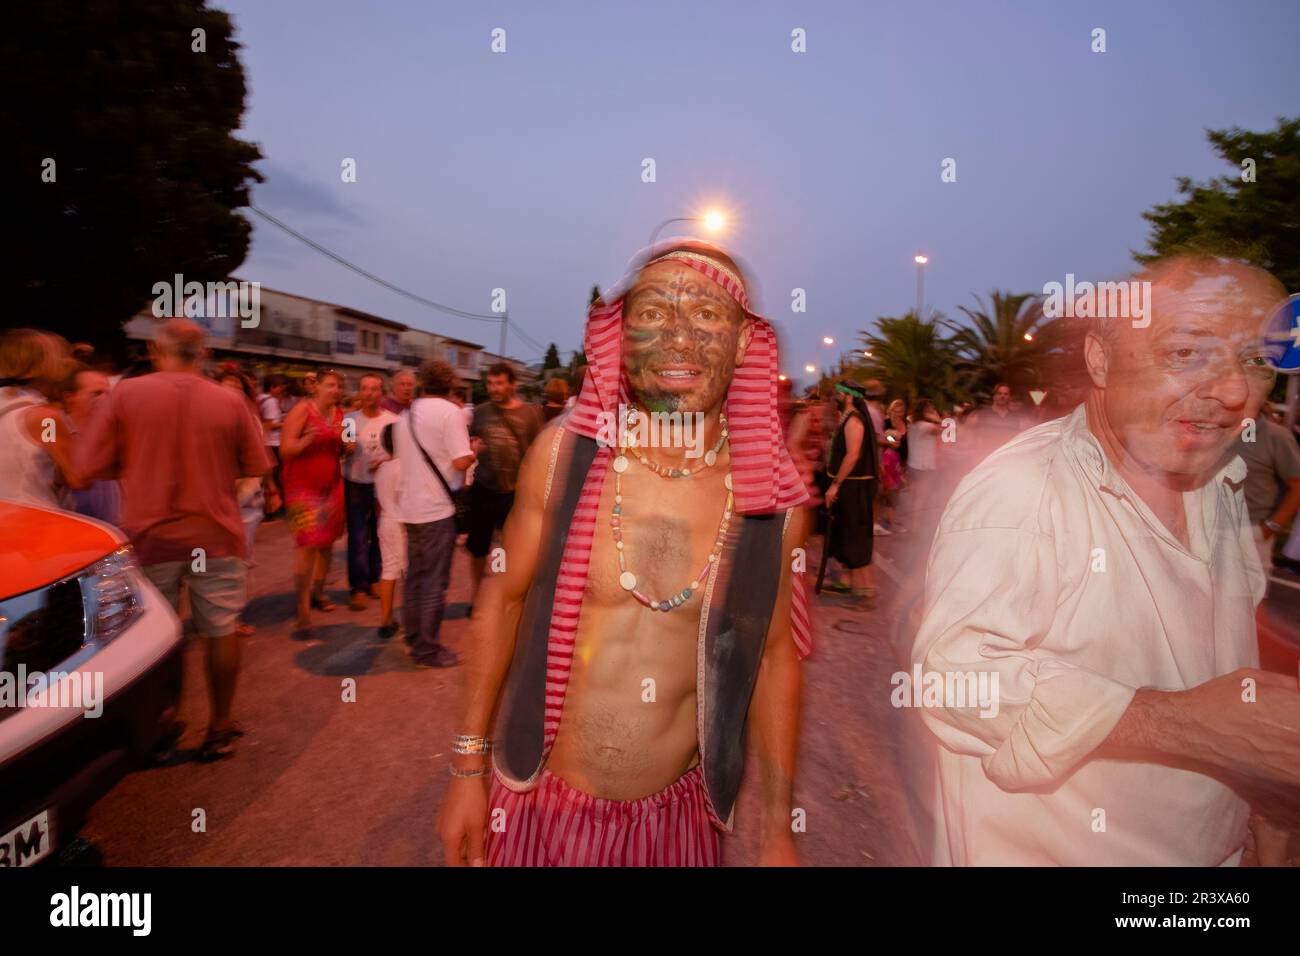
(1089, 452)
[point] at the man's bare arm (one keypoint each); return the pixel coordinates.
(854, 436)
(774, 710)
(500, 601)
(462, 824)
(1288, 506)
(1245, 735)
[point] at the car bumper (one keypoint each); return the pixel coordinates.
(67, 770)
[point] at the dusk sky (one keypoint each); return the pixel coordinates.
(522, 170)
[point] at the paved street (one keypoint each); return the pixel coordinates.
(318, 781)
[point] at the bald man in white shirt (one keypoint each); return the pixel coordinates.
(1101, 568)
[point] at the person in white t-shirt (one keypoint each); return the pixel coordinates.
(431, 434)
(364, 427)
(922, 463)
(392, 535)
(271, 410)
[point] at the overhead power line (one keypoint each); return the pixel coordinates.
(449, 310)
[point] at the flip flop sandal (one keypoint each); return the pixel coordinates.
(321, 603)
(219, 745)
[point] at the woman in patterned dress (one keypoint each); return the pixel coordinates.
(311, 443)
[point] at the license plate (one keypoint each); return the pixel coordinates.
(24, 845)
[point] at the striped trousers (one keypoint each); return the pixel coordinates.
(556, 825)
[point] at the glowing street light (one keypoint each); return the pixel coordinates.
(713, 221)
(867, 353)
(810, 369)
(920, 261)
(780, 378)
(827, 340)
(1029, 337)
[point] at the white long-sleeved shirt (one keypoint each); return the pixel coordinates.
(1048, 570)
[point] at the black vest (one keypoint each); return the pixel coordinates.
(740, 613)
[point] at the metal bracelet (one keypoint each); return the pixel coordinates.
(466, 774)
(469, 745)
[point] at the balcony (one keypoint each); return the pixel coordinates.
(274, 341)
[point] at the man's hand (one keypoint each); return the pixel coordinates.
(462, 822)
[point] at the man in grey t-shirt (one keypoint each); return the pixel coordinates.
(1272, 484)
(505, 427)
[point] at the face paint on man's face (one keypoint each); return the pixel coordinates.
(681, 331)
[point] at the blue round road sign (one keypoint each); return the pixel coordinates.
(1282, 336)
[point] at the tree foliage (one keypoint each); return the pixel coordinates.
(147, 170)
(1258, 221)
(912, 358)
(993, 347)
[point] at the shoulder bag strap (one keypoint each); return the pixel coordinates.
(410, 424)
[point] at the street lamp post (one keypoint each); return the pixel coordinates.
(920, 261)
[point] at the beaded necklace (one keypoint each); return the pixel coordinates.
(626, 579)
(710, 456)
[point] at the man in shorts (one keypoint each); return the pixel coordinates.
(177, 443)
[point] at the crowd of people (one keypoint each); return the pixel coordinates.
(190, 462)
(876, 467)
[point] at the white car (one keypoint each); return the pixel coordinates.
(90, 673)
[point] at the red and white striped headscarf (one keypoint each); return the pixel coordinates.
(764, 478)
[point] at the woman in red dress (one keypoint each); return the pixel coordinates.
(310, 444)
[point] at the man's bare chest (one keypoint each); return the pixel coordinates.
(667, 530)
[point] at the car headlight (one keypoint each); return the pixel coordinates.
(112, 596)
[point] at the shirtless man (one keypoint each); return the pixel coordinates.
(626, 726)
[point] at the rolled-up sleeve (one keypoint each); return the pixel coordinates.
(991, 603)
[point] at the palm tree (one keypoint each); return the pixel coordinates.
(1011, 342)
(911, 358)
